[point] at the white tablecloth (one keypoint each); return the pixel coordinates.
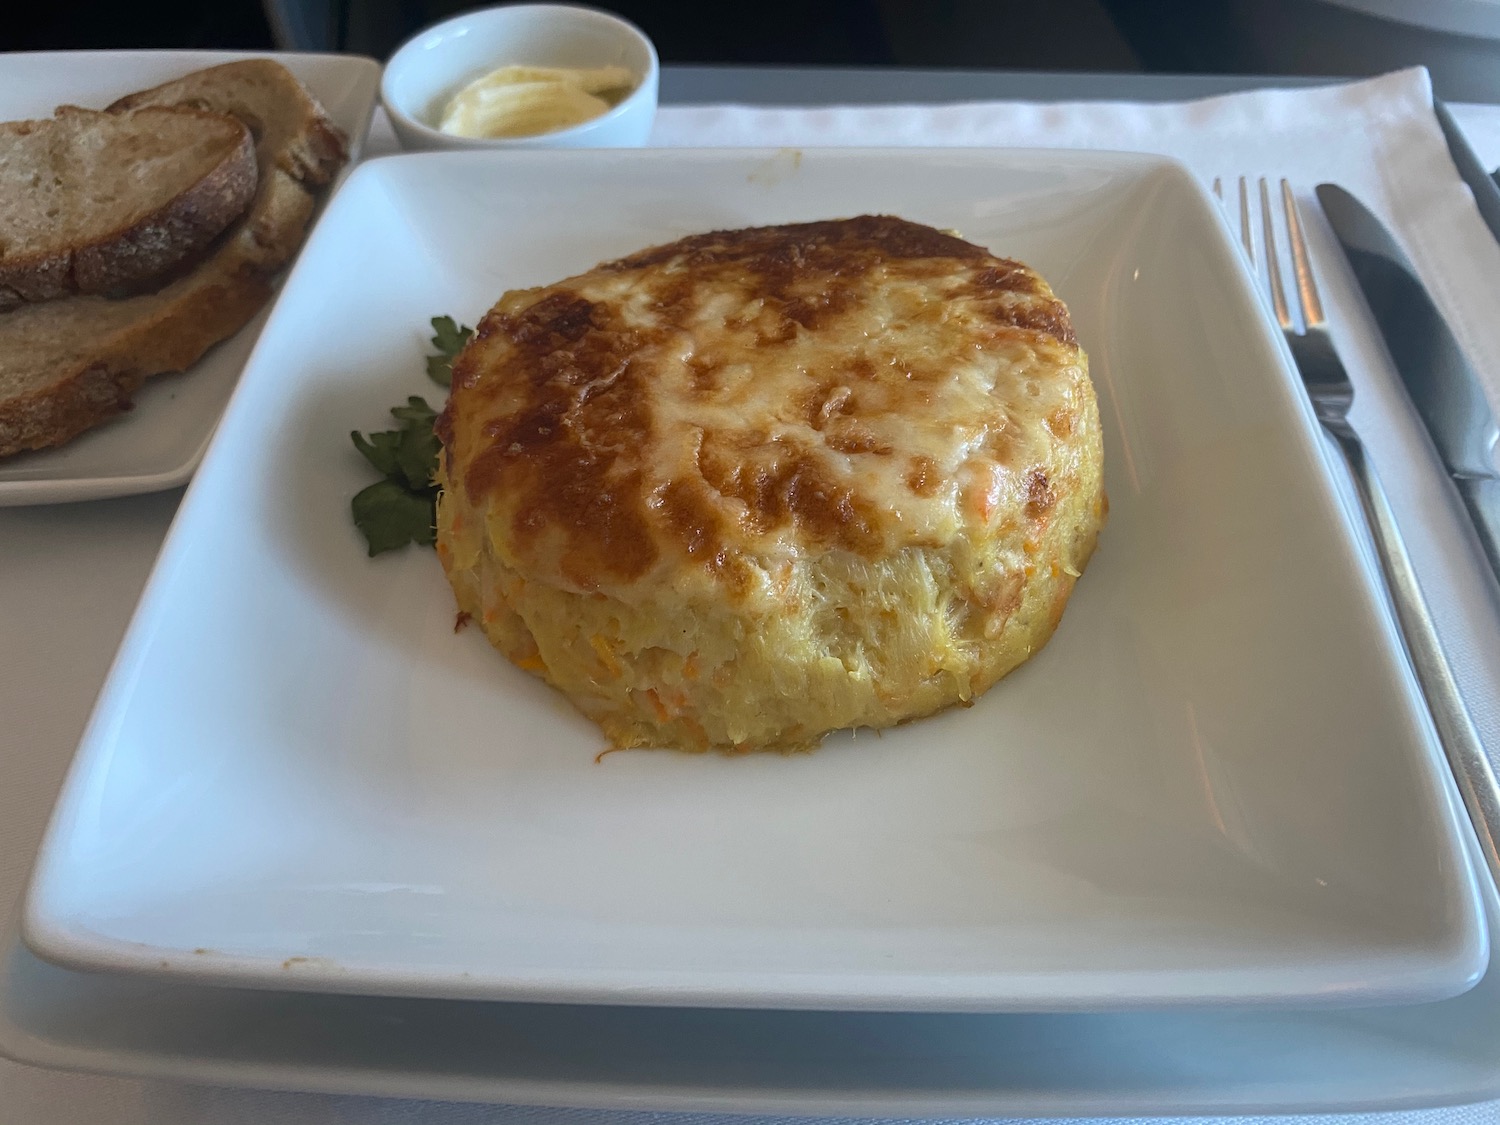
(1222, 137)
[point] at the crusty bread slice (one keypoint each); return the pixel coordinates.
(298, 147)
(68, 365)
(100, 202)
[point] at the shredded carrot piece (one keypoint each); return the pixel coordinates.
(696, 729)
(656, 705)
(606, 654)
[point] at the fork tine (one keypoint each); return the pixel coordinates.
(1307, 287)
(1273, 263)
(1247, 239)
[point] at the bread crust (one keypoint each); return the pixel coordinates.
(139, 254)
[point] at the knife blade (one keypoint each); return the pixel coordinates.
(1442, 385)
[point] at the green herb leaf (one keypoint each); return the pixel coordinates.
(449, 338)
(418, 458)
(418, 448)
(380, 450)
(408, 455)
(392, 516)
(416, 412)
(402, 508)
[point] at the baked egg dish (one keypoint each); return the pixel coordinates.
(753, 486)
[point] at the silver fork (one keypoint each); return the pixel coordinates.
(1332, 395)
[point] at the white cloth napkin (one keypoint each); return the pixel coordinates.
(1481, 128)
(1377, 138)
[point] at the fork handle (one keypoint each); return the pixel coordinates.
(1455, 728)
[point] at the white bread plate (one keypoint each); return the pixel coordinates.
(159, 443)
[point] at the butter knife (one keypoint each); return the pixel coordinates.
(1442, 385)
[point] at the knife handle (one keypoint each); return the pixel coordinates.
(1467, 760)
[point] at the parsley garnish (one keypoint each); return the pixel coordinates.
(449, 339)
(402, 507)
(392, 516)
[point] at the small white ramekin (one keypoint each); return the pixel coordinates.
(433, 65)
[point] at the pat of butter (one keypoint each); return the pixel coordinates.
(525, 101)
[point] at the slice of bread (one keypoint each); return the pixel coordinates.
(299, 149)
(68, 365)
(106, 202)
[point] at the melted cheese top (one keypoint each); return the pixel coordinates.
(735, 398)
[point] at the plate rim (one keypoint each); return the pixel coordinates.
(350, 1077)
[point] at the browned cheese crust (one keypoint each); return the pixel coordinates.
(755, 485)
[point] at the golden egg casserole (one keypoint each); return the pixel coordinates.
(757, 485)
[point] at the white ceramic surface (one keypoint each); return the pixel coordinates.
(159, 443)
(1211, 787)
(844, 1064)
(436, 63)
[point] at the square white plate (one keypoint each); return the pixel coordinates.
(1211, 787)
(159, 443)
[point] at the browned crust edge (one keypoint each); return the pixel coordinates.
(324, 153)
